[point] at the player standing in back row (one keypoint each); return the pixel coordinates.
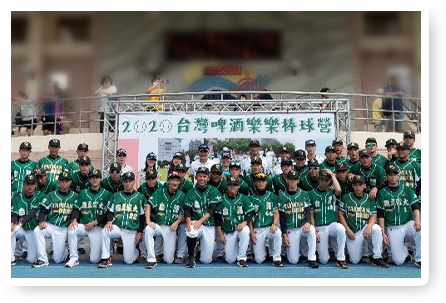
(53, 163)
(22, 167)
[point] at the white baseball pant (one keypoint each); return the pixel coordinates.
(236, 251)
(275, 243)
(130, 253)
(206, 234)
(182, 240)
(58, 236)
(355, 247)
(94, 236)
(21, 247)
(294, 236)
(28, 236)
(336, 230)
(169, 239)
(396, 235)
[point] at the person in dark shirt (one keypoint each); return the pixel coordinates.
(395, 104)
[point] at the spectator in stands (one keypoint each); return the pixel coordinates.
(378, 116)
(59, 91)
(158, 87)
(394, 89)
(106, 90)
(264, 96)
(26, 118)
(51, 110)
(324, 96)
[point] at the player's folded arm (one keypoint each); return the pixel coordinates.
(42, 215)
(381, 212)
(282, 219)
(218, 219)
(110, 216)
(211, 208)
(14, 218)
(187, 211)
(103, 217)
(248, 216)
(307, 212)
(415, 206)
(142, 223)
(75, 214)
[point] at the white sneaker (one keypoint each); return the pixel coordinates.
(72, 263)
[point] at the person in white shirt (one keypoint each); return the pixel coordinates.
(106, 90)
(203, 160)
(283, 154)
(121, 157)
(254, 151)
(310, 148)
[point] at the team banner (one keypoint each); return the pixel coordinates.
(166, 134)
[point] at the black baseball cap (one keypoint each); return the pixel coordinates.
(54, 142)
(85, 160)
(174, 174)
(121, 151)
(128, 176)
(364, 153)
(40, 172)
(254, 142)
(216, 168)
(260, 176)
(392, 169)
(337, 141)
(234, 164)
(226, 155)
(310, 142)
(284, 150)
(180, 167)
(151, 174)
(203, 170)
(25, 145)
(233, 181)
(330, 148)
(115, 167)
(341, 166)
(203, 147)
(95, 173)
(358, 179)
(352, 145)
(30, 179)
(256, 159)
(409, 134)
(313, 163)
(371, 140)
(82, 146)
(324, 174)
(179, 155)
(151, 156)
(402, 145)
(286, 161)
(292, 174)
(65, 175)
(391, 142)
(300, 154)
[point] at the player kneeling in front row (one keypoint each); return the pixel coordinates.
(399, 216)
(324, 218)
(295, 218)
(358, 215)
(88, 219)
(24, 208)
(125, 220)
(166, 202)
(234, 214)
(264, 223)
(55, 216)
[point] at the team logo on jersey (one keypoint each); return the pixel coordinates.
(197, 204)
(225, 211)
(176, 208)
(317, 204)
(256, 208)
(239, 210)
(21, 212)
(16, 173)
(162, 207)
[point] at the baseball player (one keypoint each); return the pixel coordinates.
(283, 154)
(151, 184)
(22, 167)
(300, 160)
(409, 139)
(409, 169)
(113, 183)
(264, 223)
(353, 155)
(234, 214)
(331, 159)
(342, 177)
(280, 182)
(392, 153)
(399, 217)
(226, 159)
(254, 151)
(42, 182)
(256, 167)
(88, 219)
(235, 171)
(338, 144)
(199, 207)
(54, 217)
(167, 204)
(323, 217)
(373, 174)
(82, 151)
(24, 207)
(357, 212)
(121, 158)
(310, 148)
(295, 221)
(53, 163)
(203, 160)
(216, 178)
(372, 147)
(125, 220)
(310, 180)
(81, 178)
(185, 185)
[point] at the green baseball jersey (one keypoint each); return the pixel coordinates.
(60, 207)
(233, 211)
(167, 206)
(351, 164)
(107, 184)
(293, 206)
(279, 184)
(244, 187)
(301, 171)
(73, 167)
(127, 208)
(326, 165)
(264, 205)
(342, 159)
(184, 186)
(53, 166)
(357, 210)
(346, 187)
(252, 184)
(49, 187)
(306, 183)
(199, 201)
(396, 204)
(379, 160)
(22, 205)
(79, 182)
(221, 186)
(373, 176)
(19, 170)
(147, 191)
(323, 206)
(415, 153)
(410, 172)
(92, 205)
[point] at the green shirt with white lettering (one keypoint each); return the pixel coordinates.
(92, 205)
(22, 205)
(167, 206)
(199, 200)
(293, 206)
(60, 206)
(233, 211)
(357, 210)
(19, 170)
(127, 208)
(323, 206)
(53, 166)
(264, 205)
(396, 204)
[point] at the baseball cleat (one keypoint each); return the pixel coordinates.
(341, 264)
(242, 263)
(13, 263)
(72, 263)
(379, 262)
(159, 258)
(313, 264)
(81, 251)
(190, 262)
(418, 264)
(151, 265)
(303, 259)
(103, 263)
(24, 255)
(39, 263)
(278, 263)
(220, 259)
(408, 259)
(178, 260)
(365, 259)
